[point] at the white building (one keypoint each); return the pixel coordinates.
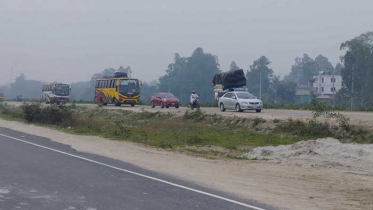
(327, 84)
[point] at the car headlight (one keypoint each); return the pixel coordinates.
(244, 102)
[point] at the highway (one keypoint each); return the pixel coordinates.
(269, 114)
(36, 173)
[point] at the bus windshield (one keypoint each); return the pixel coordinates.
(129, 86)
(62, 90)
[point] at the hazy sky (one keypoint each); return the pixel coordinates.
(69, 40)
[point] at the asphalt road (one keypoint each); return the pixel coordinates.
(266, 113)
(36, 173)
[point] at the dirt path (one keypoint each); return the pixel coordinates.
(283, 186)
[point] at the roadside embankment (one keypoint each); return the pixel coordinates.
(328, 152)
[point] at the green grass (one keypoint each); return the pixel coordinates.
(167, 131)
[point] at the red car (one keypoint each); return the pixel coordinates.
(164, 100)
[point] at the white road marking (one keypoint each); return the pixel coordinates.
(138, 174)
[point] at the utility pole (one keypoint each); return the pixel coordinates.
(352, 87)
(260, 85)
(181, 94)
(10, 83)
(333, 81)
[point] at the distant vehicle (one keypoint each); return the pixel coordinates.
(164, 100)
(56, 93)
(1, 97)
(117, 90)
(239, 101)
(19, 98)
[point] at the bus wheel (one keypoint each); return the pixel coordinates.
(132, 105)
(116, 102)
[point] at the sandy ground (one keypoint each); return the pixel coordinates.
(328, 152)
(285, 186)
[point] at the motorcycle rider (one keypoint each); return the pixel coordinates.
(193, 97)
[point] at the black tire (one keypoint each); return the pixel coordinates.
(132, 105)
(117, 103)
(152, 104)
(176, 107)
(222, 108)
(162, 105)
(167, 107)
(238, 108)
(101, 101)
(258, 110)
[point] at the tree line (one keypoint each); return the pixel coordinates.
(195, 72)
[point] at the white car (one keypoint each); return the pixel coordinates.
(239, 101)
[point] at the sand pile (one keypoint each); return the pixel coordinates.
(327, 152)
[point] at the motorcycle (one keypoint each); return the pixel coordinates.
(195, 104)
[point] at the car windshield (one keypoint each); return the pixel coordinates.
(167, 95)
(245, 96)
(62, 90)
(129, 86)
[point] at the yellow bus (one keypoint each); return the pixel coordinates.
(1, 97)
(117, 91)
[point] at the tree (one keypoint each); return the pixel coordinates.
(303, 71)
(191, 73)
(285, 92)
(357, 71)
(28, 89)
(259, 76)
(338, 69)
(324, 65)
(233, 66)
(148, 90)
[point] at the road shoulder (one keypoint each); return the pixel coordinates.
(288, 187)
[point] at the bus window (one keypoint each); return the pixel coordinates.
(106, 83)
(112, 83)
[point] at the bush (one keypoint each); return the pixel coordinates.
(300, 128)
(258, 120)
(32, 112)
(197, 115)
(7, 110)
(54, 115)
